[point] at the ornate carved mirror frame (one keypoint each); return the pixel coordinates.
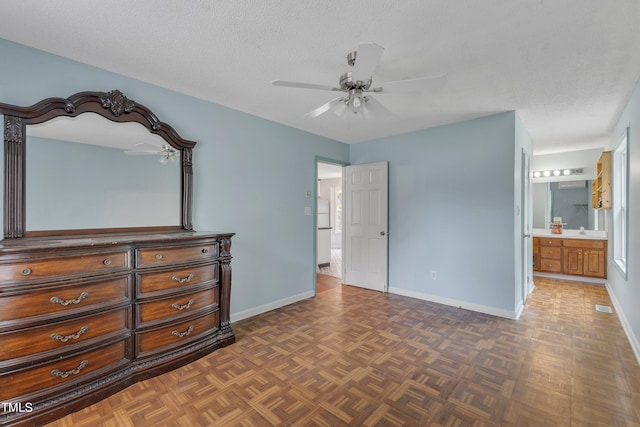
(113, 105)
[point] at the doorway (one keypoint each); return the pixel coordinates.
(329, 211)
(526, 267)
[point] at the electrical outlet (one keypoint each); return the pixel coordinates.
(434, 275)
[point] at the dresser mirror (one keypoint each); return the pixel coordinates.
(93, 163)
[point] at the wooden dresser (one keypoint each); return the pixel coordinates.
(81, 318)
(99, 288)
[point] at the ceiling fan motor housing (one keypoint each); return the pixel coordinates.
(347, 83)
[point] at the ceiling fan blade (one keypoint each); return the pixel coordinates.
(411, 85)
(325, 107)
(367, 57)
(303, 85)
(144, 153)
(340, 109)
(145, 146)
(374, 109)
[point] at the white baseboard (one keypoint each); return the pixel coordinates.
(270, 306)
(514, 315)
(584, 279)
(633, 340)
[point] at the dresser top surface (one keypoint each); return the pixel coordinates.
(105, 240)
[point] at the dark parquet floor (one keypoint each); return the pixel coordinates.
(351, 357)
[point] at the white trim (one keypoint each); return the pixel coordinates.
(593, 280)
(514, 315)
(270, 306)
(626, 326)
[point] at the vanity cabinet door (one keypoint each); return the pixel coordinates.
(585, 257)
(572, 261)
(594, 263)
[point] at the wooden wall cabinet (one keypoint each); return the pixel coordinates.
(601, 185)
(578, 257)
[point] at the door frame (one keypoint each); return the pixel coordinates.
(314, 192)
(526, 226)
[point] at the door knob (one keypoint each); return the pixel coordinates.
(382, 233)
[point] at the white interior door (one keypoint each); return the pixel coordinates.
(366, 226)
(527, 227)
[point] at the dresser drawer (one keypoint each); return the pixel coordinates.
(584, 243)
(176, 254)
(551, 265)
(63, 372)
(62, 335)
(552, 252)
(545, 241)
(173, 280)
(42, 268)
(64, 300)
(175, 306)
(179, 334)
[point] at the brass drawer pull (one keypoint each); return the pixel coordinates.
(184, 306)
(205, 251)
(66, 338)
(26, 271)
(183, 334)
(56, 300)
(76, 371)
(107, 261)
(184, 279)
(159, 256)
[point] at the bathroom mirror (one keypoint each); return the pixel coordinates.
(569, 200)
(95, 162)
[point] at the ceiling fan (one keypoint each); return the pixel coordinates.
(358, 84)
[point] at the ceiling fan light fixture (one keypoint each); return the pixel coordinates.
(356, 101)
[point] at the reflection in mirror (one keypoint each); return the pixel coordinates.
(87, 172)
(569, 200)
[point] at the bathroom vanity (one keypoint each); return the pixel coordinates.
(571, 253)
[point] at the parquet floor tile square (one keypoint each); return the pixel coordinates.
(353, 357)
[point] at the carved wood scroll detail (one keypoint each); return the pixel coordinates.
(225, 247)
(13, 128)
(117, 102)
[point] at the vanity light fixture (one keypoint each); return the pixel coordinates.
(557, 172)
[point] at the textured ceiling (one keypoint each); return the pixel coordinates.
(567, 66)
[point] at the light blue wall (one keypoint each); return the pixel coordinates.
(626, 292)
(250, 175)
(451, 210)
